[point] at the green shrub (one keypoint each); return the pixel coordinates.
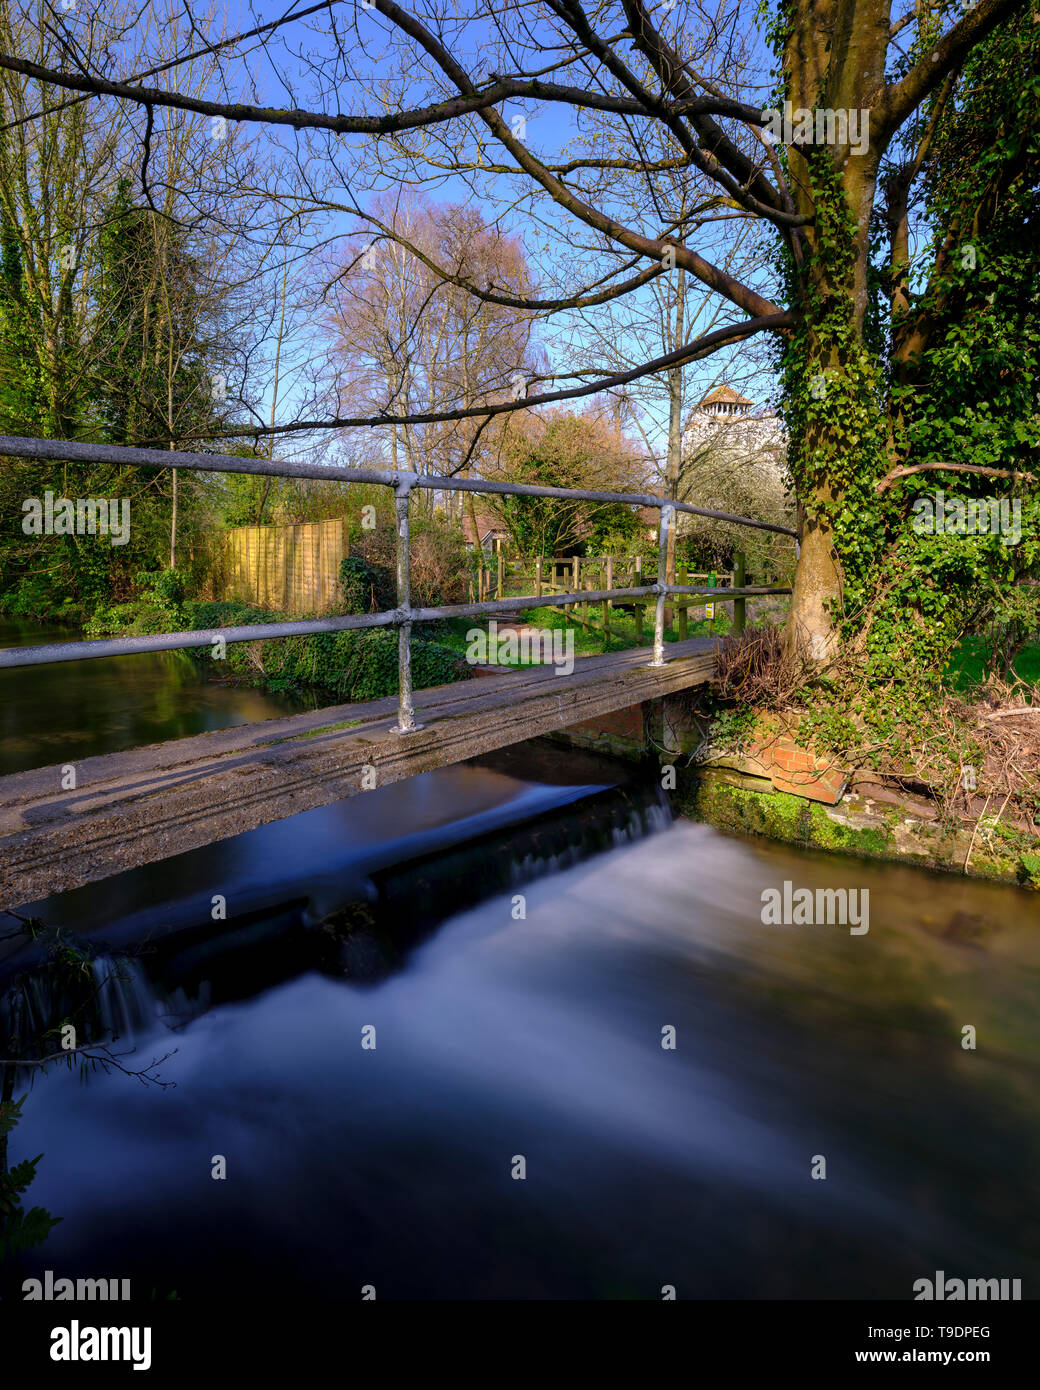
(349, 666)
(33, 599)
(366, 587)
(440, 566)
(440, 563)
(160, 607)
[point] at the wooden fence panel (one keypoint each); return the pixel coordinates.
(291, 569)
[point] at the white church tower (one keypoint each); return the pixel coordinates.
(725, 420)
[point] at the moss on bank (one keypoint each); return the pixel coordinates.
(861, 827)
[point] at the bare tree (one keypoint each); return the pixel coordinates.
(439, 91)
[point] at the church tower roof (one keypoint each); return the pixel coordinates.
(724, 395)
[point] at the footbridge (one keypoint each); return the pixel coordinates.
(70, 824)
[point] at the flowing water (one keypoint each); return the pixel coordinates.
(523, 940)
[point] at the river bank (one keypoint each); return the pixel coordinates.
(902, 829)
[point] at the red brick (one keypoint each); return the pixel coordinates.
(814, 789)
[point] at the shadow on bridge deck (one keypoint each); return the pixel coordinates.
(147, 804)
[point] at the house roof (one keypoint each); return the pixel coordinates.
(486, 526)
(725, 395)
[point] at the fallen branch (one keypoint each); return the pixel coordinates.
(897, 473)
(102, 1054)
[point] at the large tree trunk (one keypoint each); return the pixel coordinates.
(845, 74)
(817, 587)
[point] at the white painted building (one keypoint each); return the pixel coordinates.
(728, 422)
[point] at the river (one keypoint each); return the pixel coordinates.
(523, 939)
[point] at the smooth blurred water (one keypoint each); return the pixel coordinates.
(541, 1037)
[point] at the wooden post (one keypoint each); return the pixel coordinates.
(739, 604)
(501, 592)
(683, 604)
(538, 577)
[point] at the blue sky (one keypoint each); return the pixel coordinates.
(279, 77)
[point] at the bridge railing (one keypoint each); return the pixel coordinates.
(404, 615)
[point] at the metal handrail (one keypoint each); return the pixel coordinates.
(404, 615)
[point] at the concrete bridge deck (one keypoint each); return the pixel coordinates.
(147, 804)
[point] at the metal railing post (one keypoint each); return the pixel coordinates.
(667, 513)
(405, 707)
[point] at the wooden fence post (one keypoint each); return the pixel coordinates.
(501, 575)
(739, 581)
(538, 577)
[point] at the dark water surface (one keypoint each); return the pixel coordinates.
(58, 713)
(527, 1025)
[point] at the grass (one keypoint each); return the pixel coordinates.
(965, 672)
(967, 668)
(587, 642)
